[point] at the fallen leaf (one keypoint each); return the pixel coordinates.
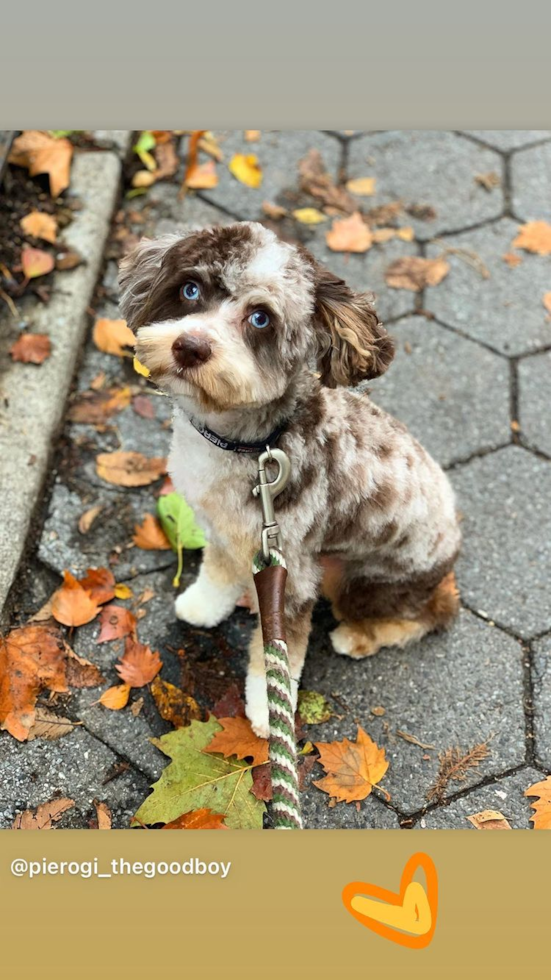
(44, 816)
(115, 697)
(542, 807)
(455, 763)
(40, 225)
(80, 672)
(88, 517)
(192, 155)
(195, 780)
(274, 211)
(361, 186)
(150, 536)
(32, 659)
(95, 407)
(423, 212)
(546, 300)
(100, 584)
(349, 235)
(535, 236)
(413, 740)
(143, 178)
(208, 144)
(112, 336)
(237, 738)
(103, 814)
(252, 135)
(71, 604)
(202, 177)
(381, 235)
(31, 348)
(136, 707)
(129, 469)
(488, 181)
(167, 160)
(316, 181)
(203, 819)
(140, 368)
(49, 725)
(246, 169)
(143, 406)
(67, 259)
(309, 216)
(313, 708)
(230, 705)
(178, 522)
(173, 704)
(512, 260)
(35, 262)
(489, 820)
(413, 272)
(123, 591)
(262, 782)
(40, 153)
(116, 622)
(378, 711)
(352, 768)
(139, 664)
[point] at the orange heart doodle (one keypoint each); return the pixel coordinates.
(407, 917)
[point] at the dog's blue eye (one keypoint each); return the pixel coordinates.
(190, 290)
(259, 319)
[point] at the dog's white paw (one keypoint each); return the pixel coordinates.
(257, 705)
(349, 643)
(202, 604)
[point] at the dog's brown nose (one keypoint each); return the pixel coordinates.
(191, 350)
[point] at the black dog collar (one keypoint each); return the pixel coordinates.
(249, 448)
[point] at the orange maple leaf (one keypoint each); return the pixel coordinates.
(542, 807)
(203, 819)
(99, 584)
(139, 665)
(238, 738)
(352, 768)
(72, 604)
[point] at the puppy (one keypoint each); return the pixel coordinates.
(230, 322)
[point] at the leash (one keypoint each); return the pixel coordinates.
(270, 575)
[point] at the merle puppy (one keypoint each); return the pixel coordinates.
(229, 321)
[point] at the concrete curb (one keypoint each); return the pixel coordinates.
(34, 397)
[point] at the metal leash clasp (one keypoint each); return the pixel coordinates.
(267, 490)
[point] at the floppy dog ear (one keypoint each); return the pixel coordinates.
(354, 346)
(138, 272)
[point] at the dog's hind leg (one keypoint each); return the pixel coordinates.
(364, 637)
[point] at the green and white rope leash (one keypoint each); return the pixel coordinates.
(282, 744)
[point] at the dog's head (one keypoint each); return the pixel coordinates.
(229, 316)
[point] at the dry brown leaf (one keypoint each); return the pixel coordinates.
(139, 664)
(100, 584)
(32, 659)
(103, 815)
(316, 181)
(95, 407)
(512, 260)
(115, 697)
(546, 300)
(203, 819)
(116, 622)
(202, 177)
(238, 738)
(136, 707)
(378, 711)
(143, 406)
(67, 259)
(38, 224)
(274, 211)
(361, 186)
(252, 135)
(488, 181)
(535, 236)
(129, 469)
(72, 605)
(167, 160)
(352, 768)
(40, 153)
(31, 348)
(246, 169)
(80, 672)
(173, 704)
(349, 235)
(413, 272)
(150, 536)
(262, 782)
(489, 820)
(542, 807)
(35, 262)
(208, 144)
(455, 764)
(44, 816)
(112, 336)
(413, 740)
(88, 517)
(49, 725)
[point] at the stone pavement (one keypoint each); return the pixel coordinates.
(472, 379)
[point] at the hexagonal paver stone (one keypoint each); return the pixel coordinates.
(431, 168)
(505, 564)
(174, 214)
(366, 272)
(534, 376)
(506, 796)
(456, 688)
(74, 766)
(509, 139)
(371, 814)
(503, 310)
(451, 392)
(531, 182)
(278, 154)
(541, 684)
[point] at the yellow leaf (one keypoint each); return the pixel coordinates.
(140, 368)
(123, 591)
(143, 178)
(362, 186)
(111, 336)
(115, 697)
(40, 225)
(246, 169)
(309, 216)
(406, 234)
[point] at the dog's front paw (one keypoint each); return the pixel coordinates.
(201, 605)
(257, 705)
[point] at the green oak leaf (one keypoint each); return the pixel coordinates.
(195, 779)
(178, 523)
(313, 708)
